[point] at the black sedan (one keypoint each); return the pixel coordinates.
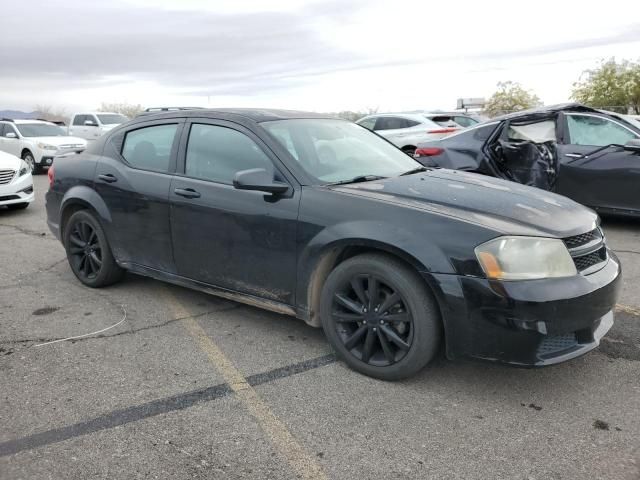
(591, 156)
(321, 219)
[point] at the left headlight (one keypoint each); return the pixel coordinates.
(525, 258)
(47, 146)
(24, 168)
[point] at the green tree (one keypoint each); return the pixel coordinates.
(612, 86)
(126, 109)
(510, 97)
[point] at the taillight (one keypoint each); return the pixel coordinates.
(428, 152)
(50, 174)
(443, 130)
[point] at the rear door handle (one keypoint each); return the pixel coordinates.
(107, 177)
(187, 192)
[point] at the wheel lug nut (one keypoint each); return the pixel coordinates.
(364, 322)
(374, 329)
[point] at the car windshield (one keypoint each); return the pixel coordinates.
(337, 150)
(112, 118)
(39, 130)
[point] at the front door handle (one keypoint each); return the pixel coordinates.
(187, 192)
(573, 155)
(107, 177)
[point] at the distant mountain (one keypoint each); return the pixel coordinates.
(16, 114)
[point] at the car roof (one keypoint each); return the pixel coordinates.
(255, 114)
(549, 109)
(413, 116)
(18, 122)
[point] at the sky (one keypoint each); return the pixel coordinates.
(302, 54)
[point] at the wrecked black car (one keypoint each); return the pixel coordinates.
(588, 155)
(319, 218)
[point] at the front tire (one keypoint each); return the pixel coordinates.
(88, 251)
(28, 158)
(380, 317)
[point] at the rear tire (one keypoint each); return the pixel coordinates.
(380, 317)
(18, 206)
(88, 251)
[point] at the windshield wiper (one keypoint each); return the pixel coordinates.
(358, 179)
(415, 170)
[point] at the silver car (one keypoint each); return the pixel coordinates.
(406, 130)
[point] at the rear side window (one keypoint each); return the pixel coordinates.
(149, 148)
(393, 123)
(538, 132)
(465, 121)
(596, 131)
(217, 153)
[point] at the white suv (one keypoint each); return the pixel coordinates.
(405, 130)
(16, 183)
(37, 142)
(92, 125)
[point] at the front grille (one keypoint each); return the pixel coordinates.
(587, 250)
(6, 176)
(557, 343)
(585, 261)
(583, 239)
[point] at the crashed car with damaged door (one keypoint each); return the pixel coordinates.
(588, 155)
(319, 218)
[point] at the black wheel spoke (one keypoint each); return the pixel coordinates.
(356, 284)
(93, 238)
(373, 290)
(369, 341)
(399, 317)
(342, 317)
(95, 264)
(76, 250)
(353, 340)
(77, 241)
(386, 348)
(348, 303)
(389, 302)
(395, 338)
(87, 266)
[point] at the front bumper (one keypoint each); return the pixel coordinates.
(528, 323)
(19, 190)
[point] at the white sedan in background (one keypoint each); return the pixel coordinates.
(406, 130)
(16, 183)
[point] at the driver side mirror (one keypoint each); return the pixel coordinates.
(260, 180)
(633, 145)
(10, 135)
(90, 123)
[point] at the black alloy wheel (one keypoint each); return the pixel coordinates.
(380, 317)
(372, 320)
(85, 250)
(88, 251)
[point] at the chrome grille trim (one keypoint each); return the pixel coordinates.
(588, 250)
(6, 176)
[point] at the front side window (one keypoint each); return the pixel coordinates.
(368, 123)
(597, 131)
(149, 148)
(79, 119)
(40, 130)
(217, 153)
(337, 150)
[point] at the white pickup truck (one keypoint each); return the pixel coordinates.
(91, 125)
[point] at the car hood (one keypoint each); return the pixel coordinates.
(507, 207)
(9, 162)
(59, 141)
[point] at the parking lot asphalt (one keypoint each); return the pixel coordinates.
(193, 386)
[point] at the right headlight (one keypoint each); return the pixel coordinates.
(525, 258)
